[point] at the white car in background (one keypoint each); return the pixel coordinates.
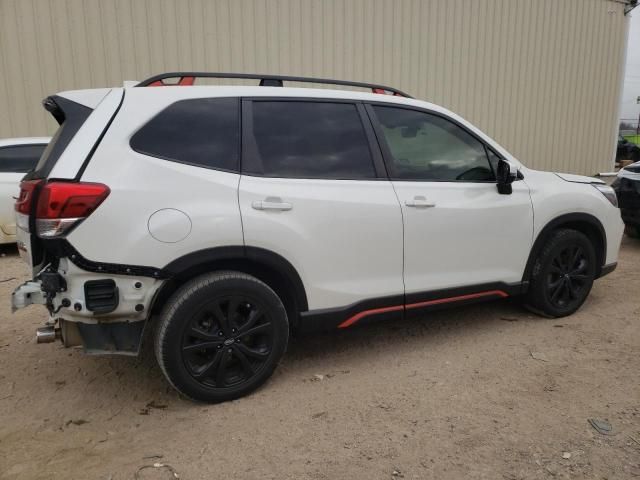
(17, 157)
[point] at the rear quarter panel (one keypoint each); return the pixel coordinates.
(118, 231)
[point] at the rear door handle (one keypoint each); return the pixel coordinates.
(419, 202)
(272, 203)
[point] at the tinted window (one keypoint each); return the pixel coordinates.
(21, 158)
(203, 132)
(429, 147)
(310, 140)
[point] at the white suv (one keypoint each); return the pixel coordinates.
(224, 217)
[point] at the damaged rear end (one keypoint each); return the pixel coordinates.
(102, 307)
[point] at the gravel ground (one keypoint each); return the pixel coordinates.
(488, 391)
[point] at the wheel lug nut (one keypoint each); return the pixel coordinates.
(230, 350)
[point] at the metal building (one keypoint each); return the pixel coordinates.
(543, 77)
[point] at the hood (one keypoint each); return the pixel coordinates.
(569, 177)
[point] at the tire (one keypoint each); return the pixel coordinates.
(221, 336)
(562, 275)
(632, 231)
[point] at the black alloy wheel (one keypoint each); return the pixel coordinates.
(562, 275)
(568, 276)
(220, 336)
(228, 341)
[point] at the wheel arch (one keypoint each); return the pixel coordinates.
(582, 222)
(269, 267)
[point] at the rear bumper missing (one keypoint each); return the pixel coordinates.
(105, 313)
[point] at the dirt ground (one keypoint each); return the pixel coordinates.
(488, 391)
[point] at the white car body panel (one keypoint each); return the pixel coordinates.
(9, 190)
(553, 197)
(344, 237)
(89, 97)
(471, 236)
(208, 197)
(570, 177)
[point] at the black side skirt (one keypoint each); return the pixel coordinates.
(400, 306)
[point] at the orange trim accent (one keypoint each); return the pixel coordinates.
(358, 316)
(470, 296)
(351, 320)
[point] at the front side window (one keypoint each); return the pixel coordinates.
(431, 148)
(298, 139)
(203, 131)
(20, 158)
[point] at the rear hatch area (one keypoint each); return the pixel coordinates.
(52, 199)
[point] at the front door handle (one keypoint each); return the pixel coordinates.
(419, 202)
(272, 203)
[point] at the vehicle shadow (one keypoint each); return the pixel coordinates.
(326, 352)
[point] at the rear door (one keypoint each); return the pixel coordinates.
(313, 189)
(461, 236)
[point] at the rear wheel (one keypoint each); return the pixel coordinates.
(221, 336)
(562, 275)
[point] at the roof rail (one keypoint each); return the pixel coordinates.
(188, 78)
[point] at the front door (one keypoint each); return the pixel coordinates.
(461, 237)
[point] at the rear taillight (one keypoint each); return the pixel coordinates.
(60, 205)
(24, 202)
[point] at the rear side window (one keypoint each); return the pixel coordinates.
(204, 132)
(298, 139)
(20, 158)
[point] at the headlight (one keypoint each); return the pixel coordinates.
(608, 192)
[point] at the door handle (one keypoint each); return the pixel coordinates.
(419, 202)
(272, 203)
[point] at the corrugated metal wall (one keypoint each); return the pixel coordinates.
(543, 77)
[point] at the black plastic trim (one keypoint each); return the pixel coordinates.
(332, 318)
(608, 268)
(258, 255)
(101, 296)
(67, 250)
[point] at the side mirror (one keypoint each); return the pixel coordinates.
(507, 173)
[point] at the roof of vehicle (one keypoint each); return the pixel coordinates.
(10, 142)
(157, 98)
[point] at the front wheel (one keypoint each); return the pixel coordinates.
(562, 275)
(221, 336)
